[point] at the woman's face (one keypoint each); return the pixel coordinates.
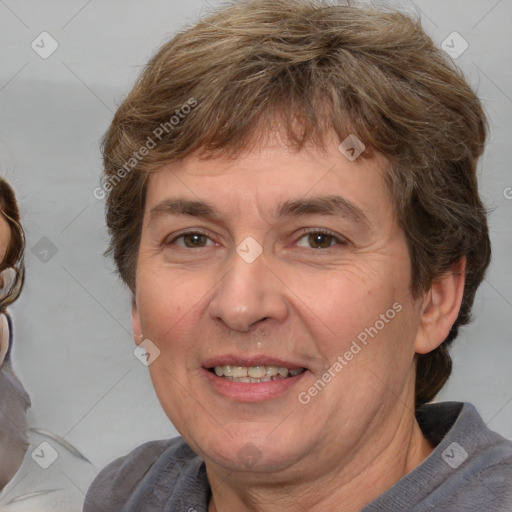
(276, 262)
(5, 237)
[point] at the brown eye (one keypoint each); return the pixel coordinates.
(320, 240)
(192, 240)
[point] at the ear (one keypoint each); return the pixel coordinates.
(440, 308)
(136, 327)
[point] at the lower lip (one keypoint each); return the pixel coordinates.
(252, 391)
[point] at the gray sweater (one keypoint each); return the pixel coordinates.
(470, 470)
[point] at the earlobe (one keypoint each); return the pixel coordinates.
(440, 308)
(136, 327)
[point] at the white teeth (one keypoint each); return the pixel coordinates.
(272, 371)
(239, 371)
(255, 373)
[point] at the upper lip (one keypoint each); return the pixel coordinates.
(245, 360)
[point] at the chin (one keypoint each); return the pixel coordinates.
(252, 451)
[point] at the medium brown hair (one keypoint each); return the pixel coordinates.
(312, 68)
(14, 253)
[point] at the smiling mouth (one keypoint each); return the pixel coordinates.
(255, 374)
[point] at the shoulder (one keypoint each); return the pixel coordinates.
(118, 482)
(475, 461)
(469, 429)
(486, 463)
(470, 468)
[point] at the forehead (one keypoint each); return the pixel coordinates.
(273, 178)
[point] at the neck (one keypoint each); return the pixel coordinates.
(345, 483)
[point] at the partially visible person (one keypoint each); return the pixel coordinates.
(24, 485)
(14, 400)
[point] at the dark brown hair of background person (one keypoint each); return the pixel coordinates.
(14, 253)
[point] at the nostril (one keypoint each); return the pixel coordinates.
(259, 321)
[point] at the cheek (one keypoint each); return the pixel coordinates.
(171, 309)
(343, 301)
(164, 299)
(365, 304)
(168, 315)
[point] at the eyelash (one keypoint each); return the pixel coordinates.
(304, 232)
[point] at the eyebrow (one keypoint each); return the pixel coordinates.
(322, 205)
(183, 207)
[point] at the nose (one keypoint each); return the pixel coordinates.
(248, 294)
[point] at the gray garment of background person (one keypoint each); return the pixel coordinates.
(41, 471)
(14, 402)
(59, 487)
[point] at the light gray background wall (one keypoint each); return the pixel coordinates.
(73, 346)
